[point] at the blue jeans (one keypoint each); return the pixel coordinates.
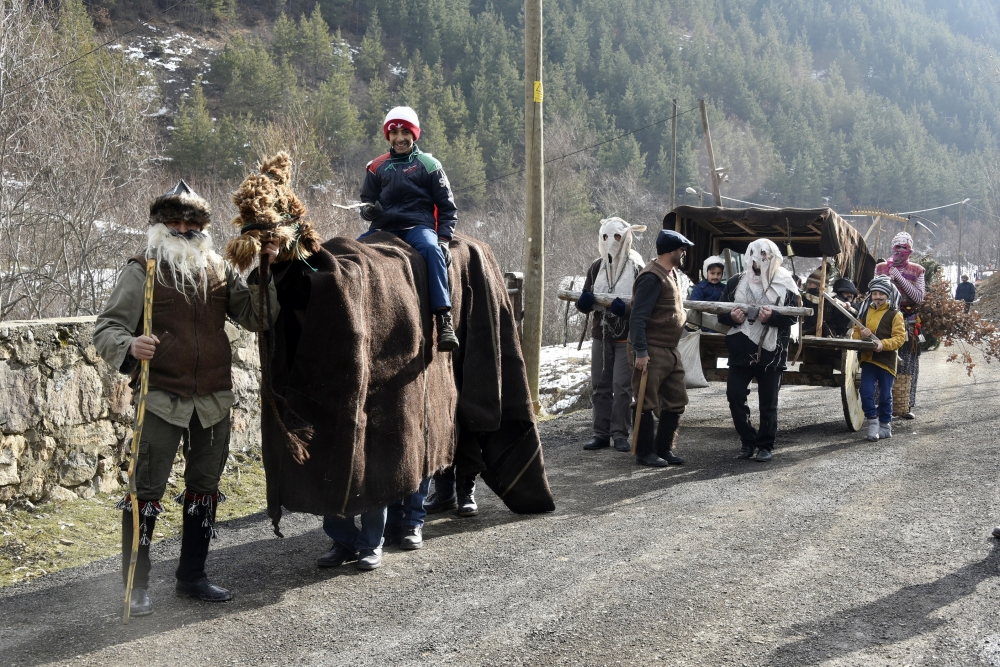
(343, 531)
(425, 241)
(876, 379)
(409, 511)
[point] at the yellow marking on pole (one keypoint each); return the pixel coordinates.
(538, 92)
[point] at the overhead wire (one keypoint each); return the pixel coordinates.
(93, 50)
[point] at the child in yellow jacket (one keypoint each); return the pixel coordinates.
(880, 314)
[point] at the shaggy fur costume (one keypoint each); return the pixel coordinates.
(268, 207)
(356, 374)
(180, 203)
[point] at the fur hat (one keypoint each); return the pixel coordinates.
(402, 117)
(269, 208)
(180, 203)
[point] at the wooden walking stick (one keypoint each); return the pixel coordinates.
(639, 400)
(140, 414)
(583, 334)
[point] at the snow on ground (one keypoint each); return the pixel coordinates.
(564, 379)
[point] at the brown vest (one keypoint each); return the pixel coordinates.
(666, 324)
(887, 358)
(193, 357)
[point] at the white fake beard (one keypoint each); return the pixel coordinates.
(188, 260)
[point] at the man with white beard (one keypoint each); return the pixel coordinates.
(190, 383)
(613, 272)
(758, 344)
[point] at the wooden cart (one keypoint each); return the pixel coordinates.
(819, 233)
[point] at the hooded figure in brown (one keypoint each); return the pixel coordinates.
(190, 383)
(359, 405)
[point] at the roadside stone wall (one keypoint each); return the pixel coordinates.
(66, 416)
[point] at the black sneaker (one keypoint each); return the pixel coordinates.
(467, 506)
(763, 456)
(369, 559)
(597, 442)
(411, 538)
(436, 503)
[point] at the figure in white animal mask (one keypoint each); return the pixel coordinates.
(758, 344)
(613, 272)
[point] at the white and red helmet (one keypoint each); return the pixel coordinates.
(402, 117)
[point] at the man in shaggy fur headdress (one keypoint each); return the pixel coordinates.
(190, 383)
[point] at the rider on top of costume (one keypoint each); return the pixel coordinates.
(407, 193)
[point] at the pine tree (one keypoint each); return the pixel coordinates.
(315, 48)
(193, 143)
(371, 60)
(285, 41)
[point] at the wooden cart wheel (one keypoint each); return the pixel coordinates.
(850, 392)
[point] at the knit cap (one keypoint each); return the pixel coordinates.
(404, 117)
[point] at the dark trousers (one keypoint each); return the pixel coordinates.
(737, 391)
(205, 454)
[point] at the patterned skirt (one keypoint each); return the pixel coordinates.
(909, 364)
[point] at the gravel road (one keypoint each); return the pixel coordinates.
(839, 552)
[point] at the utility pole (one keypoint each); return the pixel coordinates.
(534, 242)
(711, 154)
(673, 159)
(960, 204)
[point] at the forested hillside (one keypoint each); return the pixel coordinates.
(843, 103)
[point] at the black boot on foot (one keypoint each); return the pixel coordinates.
(467, 497)
(140, 604)
(666, 437)
(447, 340)
(444, 497)
(197, 533)
(645, 449)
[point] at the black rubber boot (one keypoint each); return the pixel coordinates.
(140, 605)
(645, 448)
(142, 564)
(444, 497)
(447, 340)
(666, 437)
(196, 535)
(467, 497)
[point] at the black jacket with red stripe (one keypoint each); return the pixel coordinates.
(413, 190)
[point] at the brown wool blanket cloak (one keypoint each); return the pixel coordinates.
(355, 375)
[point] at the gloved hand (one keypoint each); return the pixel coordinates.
(585, 303)
(617, 307)
(445, 250)
(371, 211)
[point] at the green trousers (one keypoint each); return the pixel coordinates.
(205, 454)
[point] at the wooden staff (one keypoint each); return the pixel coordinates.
(640, 399)
(833, 302)
(140, 414)
(822, 289)
(717, 307)
(583, 334)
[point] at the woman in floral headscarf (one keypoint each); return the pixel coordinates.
(908, 278)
